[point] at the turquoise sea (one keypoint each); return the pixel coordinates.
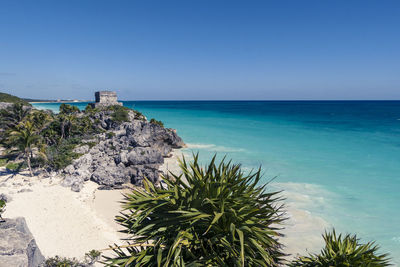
(338, 160)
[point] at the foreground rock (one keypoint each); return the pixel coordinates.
(17, 245)
(125, 153)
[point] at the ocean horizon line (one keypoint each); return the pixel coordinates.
(225, 100)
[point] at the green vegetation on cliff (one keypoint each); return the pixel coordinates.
(4, 97)
(44, 139)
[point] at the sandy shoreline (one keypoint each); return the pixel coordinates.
(70, 224)
(62, 222)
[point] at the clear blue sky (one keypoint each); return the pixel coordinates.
(201, 49)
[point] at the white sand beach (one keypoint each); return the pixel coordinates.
(63, 222)
(69, 224)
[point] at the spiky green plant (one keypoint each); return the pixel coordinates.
(344, 251)
(211, 216)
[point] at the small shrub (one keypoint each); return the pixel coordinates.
(157, 122)
(110, 135)
(3, 162)
(2, 208)
(13, 166)
(90, 258)
(120, 114)
(58, 261)
(61, 155)
(91, 144)
(139, 115)
(68, 109)
(343, 251)
(89, 109)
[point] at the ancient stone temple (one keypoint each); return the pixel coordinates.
(106, 98)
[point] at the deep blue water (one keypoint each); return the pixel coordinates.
(348, 150)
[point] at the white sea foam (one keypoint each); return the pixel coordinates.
(55, 109)
(396, 239)
(215, 148)
(303, 228)
(303, 195)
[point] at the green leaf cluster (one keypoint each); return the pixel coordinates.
(3, 204)
(61, 154)
(157, 122)
(13, 166)
(211, 216)
(120, 114)
(344, 251)
(13, 99)
(3, 162)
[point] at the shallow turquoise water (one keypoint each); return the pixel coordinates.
(348, 149)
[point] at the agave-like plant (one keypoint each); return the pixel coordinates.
(211, 216)
(344, 251)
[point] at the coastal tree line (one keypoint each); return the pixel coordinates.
(43, 140)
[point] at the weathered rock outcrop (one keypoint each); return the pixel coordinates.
(17, 246)
(5, 105)
(126, 153)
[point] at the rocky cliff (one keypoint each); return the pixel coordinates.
(125, 153)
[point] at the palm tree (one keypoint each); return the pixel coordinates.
(9, 120)
(211, 216)
(40, 119)
(13, 115)
(67, 117)
(24, 139)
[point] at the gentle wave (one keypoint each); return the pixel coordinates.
(215, 148)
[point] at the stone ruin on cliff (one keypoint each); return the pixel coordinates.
(106, 98)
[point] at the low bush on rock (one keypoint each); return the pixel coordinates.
(157, 122)
(120, 114)
(110, 135)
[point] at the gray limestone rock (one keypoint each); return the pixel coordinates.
(144, 155)
(81, 149)
(17, 245)
(5, 105)
(126, 153)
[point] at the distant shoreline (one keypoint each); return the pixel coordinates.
(56, 101)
